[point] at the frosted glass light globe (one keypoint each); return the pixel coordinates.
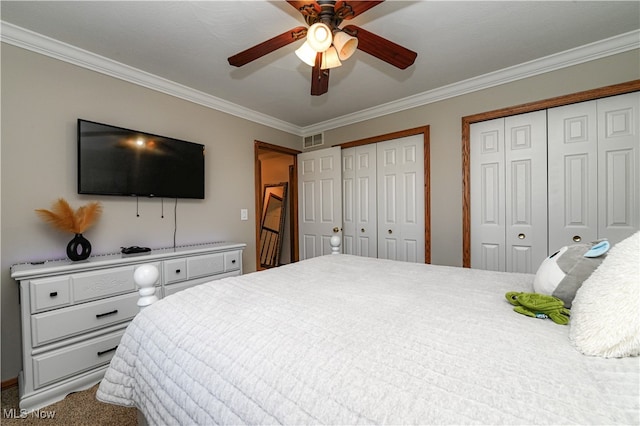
(319, 36)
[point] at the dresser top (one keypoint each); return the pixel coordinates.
(54, 267)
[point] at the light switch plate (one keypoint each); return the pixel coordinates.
(244, 214)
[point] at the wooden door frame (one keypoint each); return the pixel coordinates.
(262, 147)
(588, 95)
(424, 131)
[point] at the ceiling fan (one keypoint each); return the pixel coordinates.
(326, 43)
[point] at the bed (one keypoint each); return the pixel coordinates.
(341, 339)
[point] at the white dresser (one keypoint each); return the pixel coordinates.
(74, 313)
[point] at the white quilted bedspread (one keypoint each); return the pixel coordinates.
(351, 340)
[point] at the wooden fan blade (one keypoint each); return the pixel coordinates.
(351, 9)
(319, 78)
(307, 8)
(268, 46)
(382, 48)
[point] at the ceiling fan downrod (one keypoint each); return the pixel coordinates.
(327, 14)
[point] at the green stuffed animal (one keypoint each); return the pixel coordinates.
(539, 306)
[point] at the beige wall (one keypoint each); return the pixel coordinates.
(445, 121)
(41, 100)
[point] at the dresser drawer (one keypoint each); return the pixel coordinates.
(49, 293)
(232, 260)
(208, 264)
(174, 270)
(97, 284)
(56, 365)
(54, 325)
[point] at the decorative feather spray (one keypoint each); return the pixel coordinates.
(63, 217)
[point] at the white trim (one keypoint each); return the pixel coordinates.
(589, 52)
(47, 46)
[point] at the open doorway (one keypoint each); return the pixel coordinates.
(277, 166)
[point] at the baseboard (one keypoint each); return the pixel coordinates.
(6, 384)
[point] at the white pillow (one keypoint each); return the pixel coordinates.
(605, 316)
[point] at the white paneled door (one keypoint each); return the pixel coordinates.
(400, 199)
(526, 191)
(319, 200)
(594, 179)
(487, 195)
(552, 178)
(573, 174)
(359, 209)
(509, 193)
(618, 166)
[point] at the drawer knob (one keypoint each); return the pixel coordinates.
(53, 294)
(106, 314)
(100, 353)
(177, 271)
(233, 261)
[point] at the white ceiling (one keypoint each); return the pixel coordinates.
(188, 43)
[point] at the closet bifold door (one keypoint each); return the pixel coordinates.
(487, 195)
(618, 166)
(359, 214)
(400, 199)
(573, 174)
(526, 191)
(594, 176)
(319, 201)
(509, 193)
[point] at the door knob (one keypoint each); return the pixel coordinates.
(577, 238)
(522, 236)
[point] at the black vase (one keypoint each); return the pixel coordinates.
(79, 248)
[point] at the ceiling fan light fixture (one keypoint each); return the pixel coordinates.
(323, 18)
(345, 44)
(330, 59)
(306, 54)
(319, 37)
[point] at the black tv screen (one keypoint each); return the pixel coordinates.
(117, 161)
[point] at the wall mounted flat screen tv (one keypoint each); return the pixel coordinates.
(117, 161)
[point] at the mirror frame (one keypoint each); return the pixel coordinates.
(271, 239)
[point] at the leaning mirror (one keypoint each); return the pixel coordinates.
(272, 224)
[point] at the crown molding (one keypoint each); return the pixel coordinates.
(47, 46)
(589, 52)
(35, 42)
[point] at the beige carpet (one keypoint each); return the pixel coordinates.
(79, 408)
